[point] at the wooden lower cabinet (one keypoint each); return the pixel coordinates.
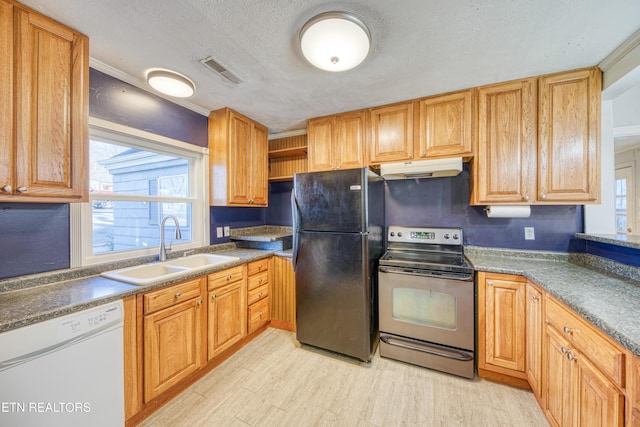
(533, 338)
(227, 309)
(258, 294)
(578, 374)
(501, 337)
(173, 336)
(577, 393)
(283, 296)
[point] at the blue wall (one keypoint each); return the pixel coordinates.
(444, 202)
(34, 237)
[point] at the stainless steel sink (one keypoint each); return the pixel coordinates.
(156, 272)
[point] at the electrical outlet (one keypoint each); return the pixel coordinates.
(218, 232)
(227, 231)
(529, 233)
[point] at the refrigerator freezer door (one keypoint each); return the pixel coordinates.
(334, 293)
(332, 201)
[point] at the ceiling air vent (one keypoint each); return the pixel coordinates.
(221, 70)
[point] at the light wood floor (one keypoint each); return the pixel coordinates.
(275, 382)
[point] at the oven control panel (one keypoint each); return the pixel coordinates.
(433, 235)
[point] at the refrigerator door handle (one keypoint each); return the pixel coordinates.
(295, 216)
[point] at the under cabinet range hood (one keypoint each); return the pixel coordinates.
(436, 168)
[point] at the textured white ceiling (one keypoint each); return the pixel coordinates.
(420, 47)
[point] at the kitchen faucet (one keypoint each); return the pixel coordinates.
(163, 251)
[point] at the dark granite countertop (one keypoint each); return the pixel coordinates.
(613, 239)
(266, 233)
(607, 300)
(39, 302)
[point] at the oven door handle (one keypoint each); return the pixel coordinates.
(462, 277)
(437, 350)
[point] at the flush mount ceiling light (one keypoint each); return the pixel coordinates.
(335, 41)
(170, 83)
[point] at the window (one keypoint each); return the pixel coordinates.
(625, 212)
(136, 180)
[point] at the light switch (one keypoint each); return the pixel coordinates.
(227, 231)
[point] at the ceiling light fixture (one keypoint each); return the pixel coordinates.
(170, 83)
(335, 41)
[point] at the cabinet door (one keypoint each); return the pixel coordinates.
(569, 137)
(534, 339)
(599, 402)
(283, 296)
(172, 346)
(445, 125)
(51, 108)
(227, 317)
(559, 381)
(348, 140)
(319, 140)
(6, 100)
(239, 155)
(391, 133)
(505, 162)
(505, 323)
(258, 166)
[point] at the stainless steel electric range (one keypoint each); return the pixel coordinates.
(426, 300)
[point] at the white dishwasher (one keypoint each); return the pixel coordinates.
(67, 371)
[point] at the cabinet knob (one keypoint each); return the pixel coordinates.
(260, 295)
(571, 357)
(525, 197)
(535, 297)
(7, 188)
(543, 196)
(22, 189)
(199, 302)
(567, 330)
(490, 283)
(260, 314)
(411, 155)
(229, 277)
(564, 350)
(178, 294)
(259, 266)
(213, 296)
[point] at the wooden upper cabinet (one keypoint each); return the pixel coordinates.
(238, 159)
(259, 180)
(320, 144)
(569, 136)
(44, 124)
(444, 125)
(6, 100)
(390, 133)
(336, 142)
(504, 167)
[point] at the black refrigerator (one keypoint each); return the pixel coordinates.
(338, 232)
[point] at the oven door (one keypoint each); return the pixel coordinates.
(433, 309)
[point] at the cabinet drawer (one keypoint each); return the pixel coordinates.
(166, 297)
(258, 314)
(258, 266)
(221, 278)
(258, 280)
(258, 293)
(603, 353)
